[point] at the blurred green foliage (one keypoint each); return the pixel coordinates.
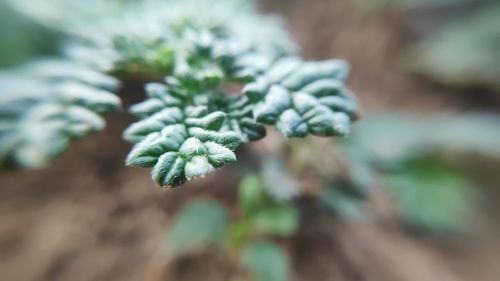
(201, 223)
(412, 155)
(465, 51)
(279, 182)
(345, 198)
(460, 44)
(260, 217)
(261, 214)
(265, 261)
(22, 39)
(433, 195)
(388, 138)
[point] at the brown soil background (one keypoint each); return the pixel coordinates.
(87, 217)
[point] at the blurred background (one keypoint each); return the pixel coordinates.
(411, 195)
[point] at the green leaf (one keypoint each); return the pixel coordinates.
(302, 98)
(159, 98)
(278, 220)
(44, 106)
(240, 119)
(66, 70)
(265, 261)
(180, 142)
(96, 100)
(138, 56)
(190, 125)
(243, 66)
(279, 182)
(250, 194)
(262, 213)
(388, 138)
(433, 196)
(199, 224)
